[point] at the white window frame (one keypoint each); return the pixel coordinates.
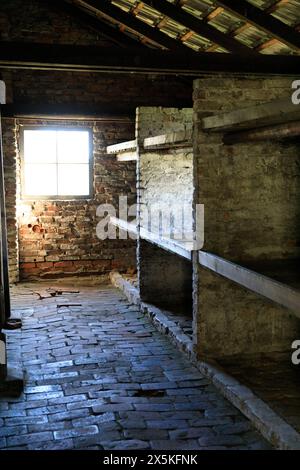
(55, 196)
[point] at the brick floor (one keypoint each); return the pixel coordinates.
(99, 376)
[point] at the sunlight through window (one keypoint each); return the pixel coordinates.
(56, 163)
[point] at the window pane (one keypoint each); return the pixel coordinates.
(39, 146)
(40, 180)
(73, 179)
(73, 146)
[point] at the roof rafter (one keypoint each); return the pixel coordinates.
(262, 20)
(140, 27)
(200, 27)
(109, 32)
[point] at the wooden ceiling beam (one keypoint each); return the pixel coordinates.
(139, 27)
(235, 32)
(264, 21)
(177, 14)
(96, 59)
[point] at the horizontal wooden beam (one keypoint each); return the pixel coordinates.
(200, 27)
(127, 157)
(260, 284)
(139, 27)
(167, 244)
(259, 115)
(277, 132)
(181, 138)
(129, 227)
(94, 59)
(122, 147)
(262, 20)
(69, 111)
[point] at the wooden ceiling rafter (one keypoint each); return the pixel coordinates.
(141, 28)
(264, 21)
(240, 29)
(177, 14)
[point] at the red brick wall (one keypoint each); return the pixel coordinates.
(56, 250)
(59, 237)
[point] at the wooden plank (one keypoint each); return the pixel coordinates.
(127, 157)
(122, 147)
(277, 132)
(182, 138)
(162, 242)
(130, 227)
(274, 112)
(32, 56)
(263, 21)
(258, 283)
(200, 27)
(100, 112)
(166, 244)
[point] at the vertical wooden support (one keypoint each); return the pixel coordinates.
(4, 293)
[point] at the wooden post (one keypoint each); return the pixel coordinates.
(5, 298)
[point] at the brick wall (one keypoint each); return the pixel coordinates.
(57, 249)
(251, 198)
(59, 237)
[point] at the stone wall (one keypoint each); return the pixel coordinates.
(251, 197)
(164, 177)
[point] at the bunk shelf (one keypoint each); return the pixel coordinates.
(130, 227)
(283, 287)
(125, 151)
(260, 115)
(173, 139)
(176, 247)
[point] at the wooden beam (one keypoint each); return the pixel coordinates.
(213, 14)
(180, 138)
(276, 132)
(274, 112)
(109, 32)
(69, 111)
(177, 14)
(129, 227)
(260, 284)
(95, 59)
(165, 243)
(266, 44)
(235, 32)
(127, 157)
(139, 27)
(263, 21)
(122, 147)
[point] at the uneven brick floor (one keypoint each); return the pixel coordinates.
(99, 376)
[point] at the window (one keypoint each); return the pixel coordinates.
(57, 163)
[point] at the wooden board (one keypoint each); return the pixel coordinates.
(274, 112)
(121, 147)
(273, 290)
